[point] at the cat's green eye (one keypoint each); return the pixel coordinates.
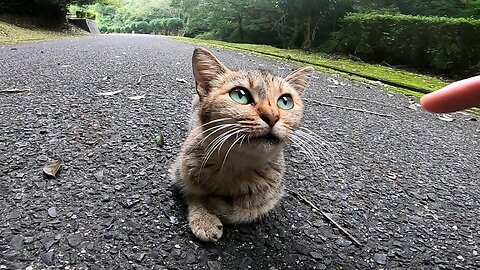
(241, 95)
(285, 102)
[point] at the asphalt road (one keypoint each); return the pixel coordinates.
(406, 186)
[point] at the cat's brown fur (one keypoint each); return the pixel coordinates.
(247, 183)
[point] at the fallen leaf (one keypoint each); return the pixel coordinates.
(53, 169)
(160, 139)
(446, 118)
(15, 90)
(112, 93)
(106, 78)
(180, 80)
(137, 97)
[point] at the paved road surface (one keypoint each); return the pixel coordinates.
(407, 187)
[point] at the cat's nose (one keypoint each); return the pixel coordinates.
(270, 118)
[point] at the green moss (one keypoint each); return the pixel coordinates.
(400, 81)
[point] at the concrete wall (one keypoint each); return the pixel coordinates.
(85, 24)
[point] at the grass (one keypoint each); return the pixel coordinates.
(12, 34)
(396, 80)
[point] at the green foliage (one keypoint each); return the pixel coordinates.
(47, 12)
(413, 41)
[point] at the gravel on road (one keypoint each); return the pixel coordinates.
(406, 186)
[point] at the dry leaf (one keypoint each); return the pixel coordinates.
(53, 169)
(137, 97)
(181, 80)
(112, 93)
(446, 118)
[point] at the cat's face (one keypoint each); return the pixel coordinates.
(262, 108)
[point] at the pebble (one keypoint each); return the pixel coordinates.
(212, 265)
(474, 253)
(380, 258)
(17, 241)
(52, 212)
(316, 255)
(74, 240)
(48, 258)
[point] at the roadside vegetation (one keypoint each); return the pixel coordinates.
(392, 42)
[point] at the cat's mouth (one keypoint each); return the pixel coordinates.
(268, 138)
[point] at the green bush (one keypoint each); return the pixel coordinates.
(141, 27)
(439, 44)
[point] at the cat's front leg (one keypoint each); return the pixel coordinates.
(204, 225)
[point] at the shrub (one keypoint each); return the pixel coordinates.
(439, 44)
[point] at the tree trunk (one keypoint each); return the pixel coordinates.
(240, 28)
(307, 34)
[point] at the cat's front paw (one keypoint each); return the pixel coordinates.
(205, 226)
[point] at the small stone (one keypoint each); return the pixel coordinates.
(129, 203)
(173, 220)
(154, 191)
(301, 177)
(316, 255)
(177, 246)
(214, 265)
(48, 243)
(474, 253)
(17, 241)
(139, 258)
(48, 258)
(190, 258)
(432, 197)
(98, 175)
(321, 266)
(461, 258)
(15, 214)
(380, 258)
(52, 212)
(74, 240)
(28, 240)
(455, 228)
(342, 242)
(246, 263)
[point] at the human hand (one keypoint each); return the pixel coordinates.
(457, 96)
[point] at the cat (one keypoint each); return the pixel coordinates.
(230, 168)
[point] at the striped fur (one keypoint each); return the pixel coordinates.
(226, 169)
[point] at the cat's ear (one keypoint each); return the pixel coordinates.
(206, 67)
(300, 78)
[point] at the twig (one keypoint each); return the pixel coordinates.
(143, 76)
(366, 100)
(326, 216)
(350, 109)
(15, 90)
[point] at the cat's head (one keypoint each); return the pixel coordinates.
(266, 109)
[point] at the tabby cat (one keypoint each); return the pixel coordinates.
(231, 165)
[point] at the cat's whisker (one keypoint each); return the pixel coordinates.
(316, 140)
(217, 143)
(305, 147)
(325, 153)
(212, 122)
(324, 143)
(214, 130)
(229, 149)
